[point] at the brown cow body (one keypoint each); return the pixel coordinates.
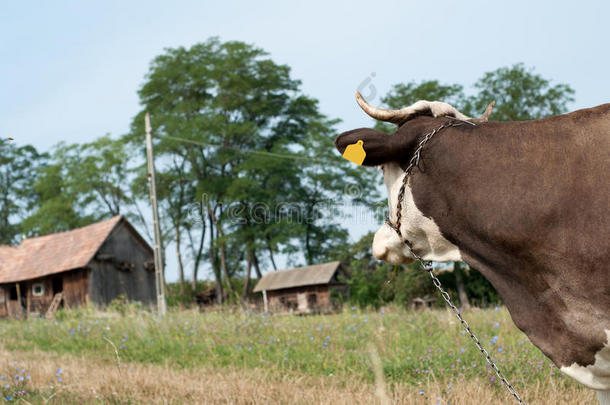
(526, 203)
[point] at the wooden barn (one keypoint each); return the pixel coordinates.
(302, 290)
(96, 263)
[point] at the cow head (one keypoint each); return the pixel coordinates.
(392, 153)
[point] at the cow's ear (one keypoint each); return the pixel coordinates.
(378, 146)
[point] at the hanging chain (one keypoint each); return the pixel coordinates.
(427, 265)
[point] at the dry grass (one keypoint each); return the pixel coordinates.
(97, 381)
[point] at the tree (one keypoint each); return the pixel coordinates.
(18, 166)
(520, 94)
(53, 208)
(82, 183)
(240, 136)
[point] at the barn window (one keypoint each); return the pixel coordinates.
(37, 289)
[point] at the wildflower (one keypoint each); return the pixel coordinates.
(496, 308)
(461, 350)
(492, 378)
(8, 397)
(420, 392)
(499, 349)
(311, 338)
(20, 378)
(496, 325)
(59, 379)
(59, 371)
(249, 347)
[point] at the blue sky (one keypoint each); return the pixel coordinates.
(69, 70)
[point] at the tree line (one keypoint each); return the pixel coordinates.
(246, 169)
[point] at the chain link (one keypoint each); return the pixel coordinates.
(427, 265)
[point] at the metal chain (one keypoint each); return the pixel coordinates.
(427, 265)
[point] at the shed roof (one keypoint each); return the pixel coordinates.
(298, 277)
(51, 254)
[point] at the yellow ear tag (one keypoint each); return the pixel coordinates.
(355, 152)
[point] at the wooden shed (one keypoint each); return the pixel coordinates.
(95, 263)
(302, 290)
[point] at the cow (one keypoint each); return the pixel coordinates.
(525, 203)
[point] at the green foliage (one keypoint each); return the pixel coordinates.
(83, 183)
(18, 166)
(520, 94)
(245, 175)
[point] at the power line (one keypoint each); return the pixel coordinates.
(255, 152)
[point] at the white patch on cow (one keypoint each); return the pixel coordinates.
(596, 375)
(436, 108)
(422, 232)
(603, 397)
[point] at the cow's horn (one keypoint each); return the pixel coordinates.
(395, 116)
(486, 114)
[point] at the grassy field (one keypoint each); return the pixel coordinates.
(229, 357)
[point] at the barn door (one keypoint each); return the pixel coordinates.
(57, 285)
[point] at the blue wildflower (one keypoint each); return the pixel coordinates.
(496, 325)
(420, 392)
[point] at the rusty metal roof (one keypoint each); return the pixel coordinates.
(298, 277)
(55, 253)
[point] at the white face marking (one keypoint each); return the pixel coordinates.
(423, 233)
(596, 375)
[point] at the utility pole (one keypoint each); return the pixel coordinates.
(159, 279)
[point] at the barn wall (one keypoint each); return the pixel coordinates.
(3, 301)
(41, 303)
(302, 299)
(76, 287)
(108, 282)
